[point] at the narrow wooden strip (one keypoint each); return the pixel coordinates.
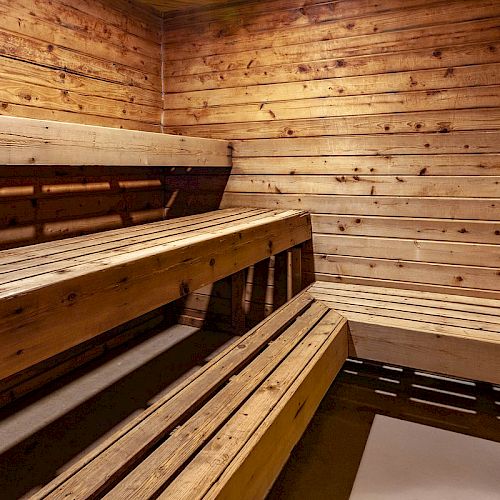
(399, 206)
(398, 285)
(467, 231)
(486, 142)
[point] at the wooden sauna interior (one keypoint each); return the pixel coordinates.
(186, 184)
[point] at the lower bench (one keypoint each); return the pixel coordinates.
(227, 431)
(449, 334)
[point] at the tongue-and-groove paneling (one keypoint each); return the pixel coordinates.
(380, 117)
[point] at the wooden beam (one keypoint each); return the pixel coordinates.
(24, 141)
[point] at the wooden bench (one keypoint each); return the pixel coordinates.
(226, 431)
(58, 294)
(449, 334)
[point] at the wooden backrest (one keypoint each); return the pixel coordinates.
(62, 179)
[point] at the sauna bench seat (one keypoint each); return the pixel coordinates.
(56, 295)
(453, 335)
(226, 431)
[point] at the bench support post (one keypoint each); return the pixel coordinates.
(238, 281)
(294, 271)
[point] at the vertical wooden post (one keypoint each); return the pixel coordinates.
(280, 282)
(237, 297)
(294, 271)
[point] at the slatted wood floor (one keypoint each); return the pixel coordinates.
(451, 334)
(55, 295)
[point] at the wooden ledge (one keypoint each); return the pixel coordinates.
(24, 141)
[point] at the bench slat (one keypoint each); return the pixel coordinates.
(402, 311)
(117, 454)
(30, 255)
(149, 241)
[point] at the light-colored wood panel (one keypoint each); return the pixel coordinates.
(419, 122)
(36, 75)
(35, 51)
(427, 79)
(21, 111)
(256, 16)
(485, 278)
(448, 208)
(388, 103)
(370, 185)
(445, 57)
(411, 17)
(56, 23)
(371, 43)
(404, 227)
(53, 143)
(453, 164)
(452, 143)
(468, 254)
(30, 95)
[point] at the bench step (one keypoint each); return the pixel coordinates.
(449, 334)
(56, 295)
(226, 431)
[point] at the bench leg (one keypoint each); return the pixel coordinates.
(280, 290)
(294, 271)
(237, 296)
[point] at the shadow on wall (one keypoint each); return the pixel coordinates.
(46, 203)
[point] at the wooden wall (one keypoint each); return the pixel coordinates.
(380, 117)
(85, 61)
